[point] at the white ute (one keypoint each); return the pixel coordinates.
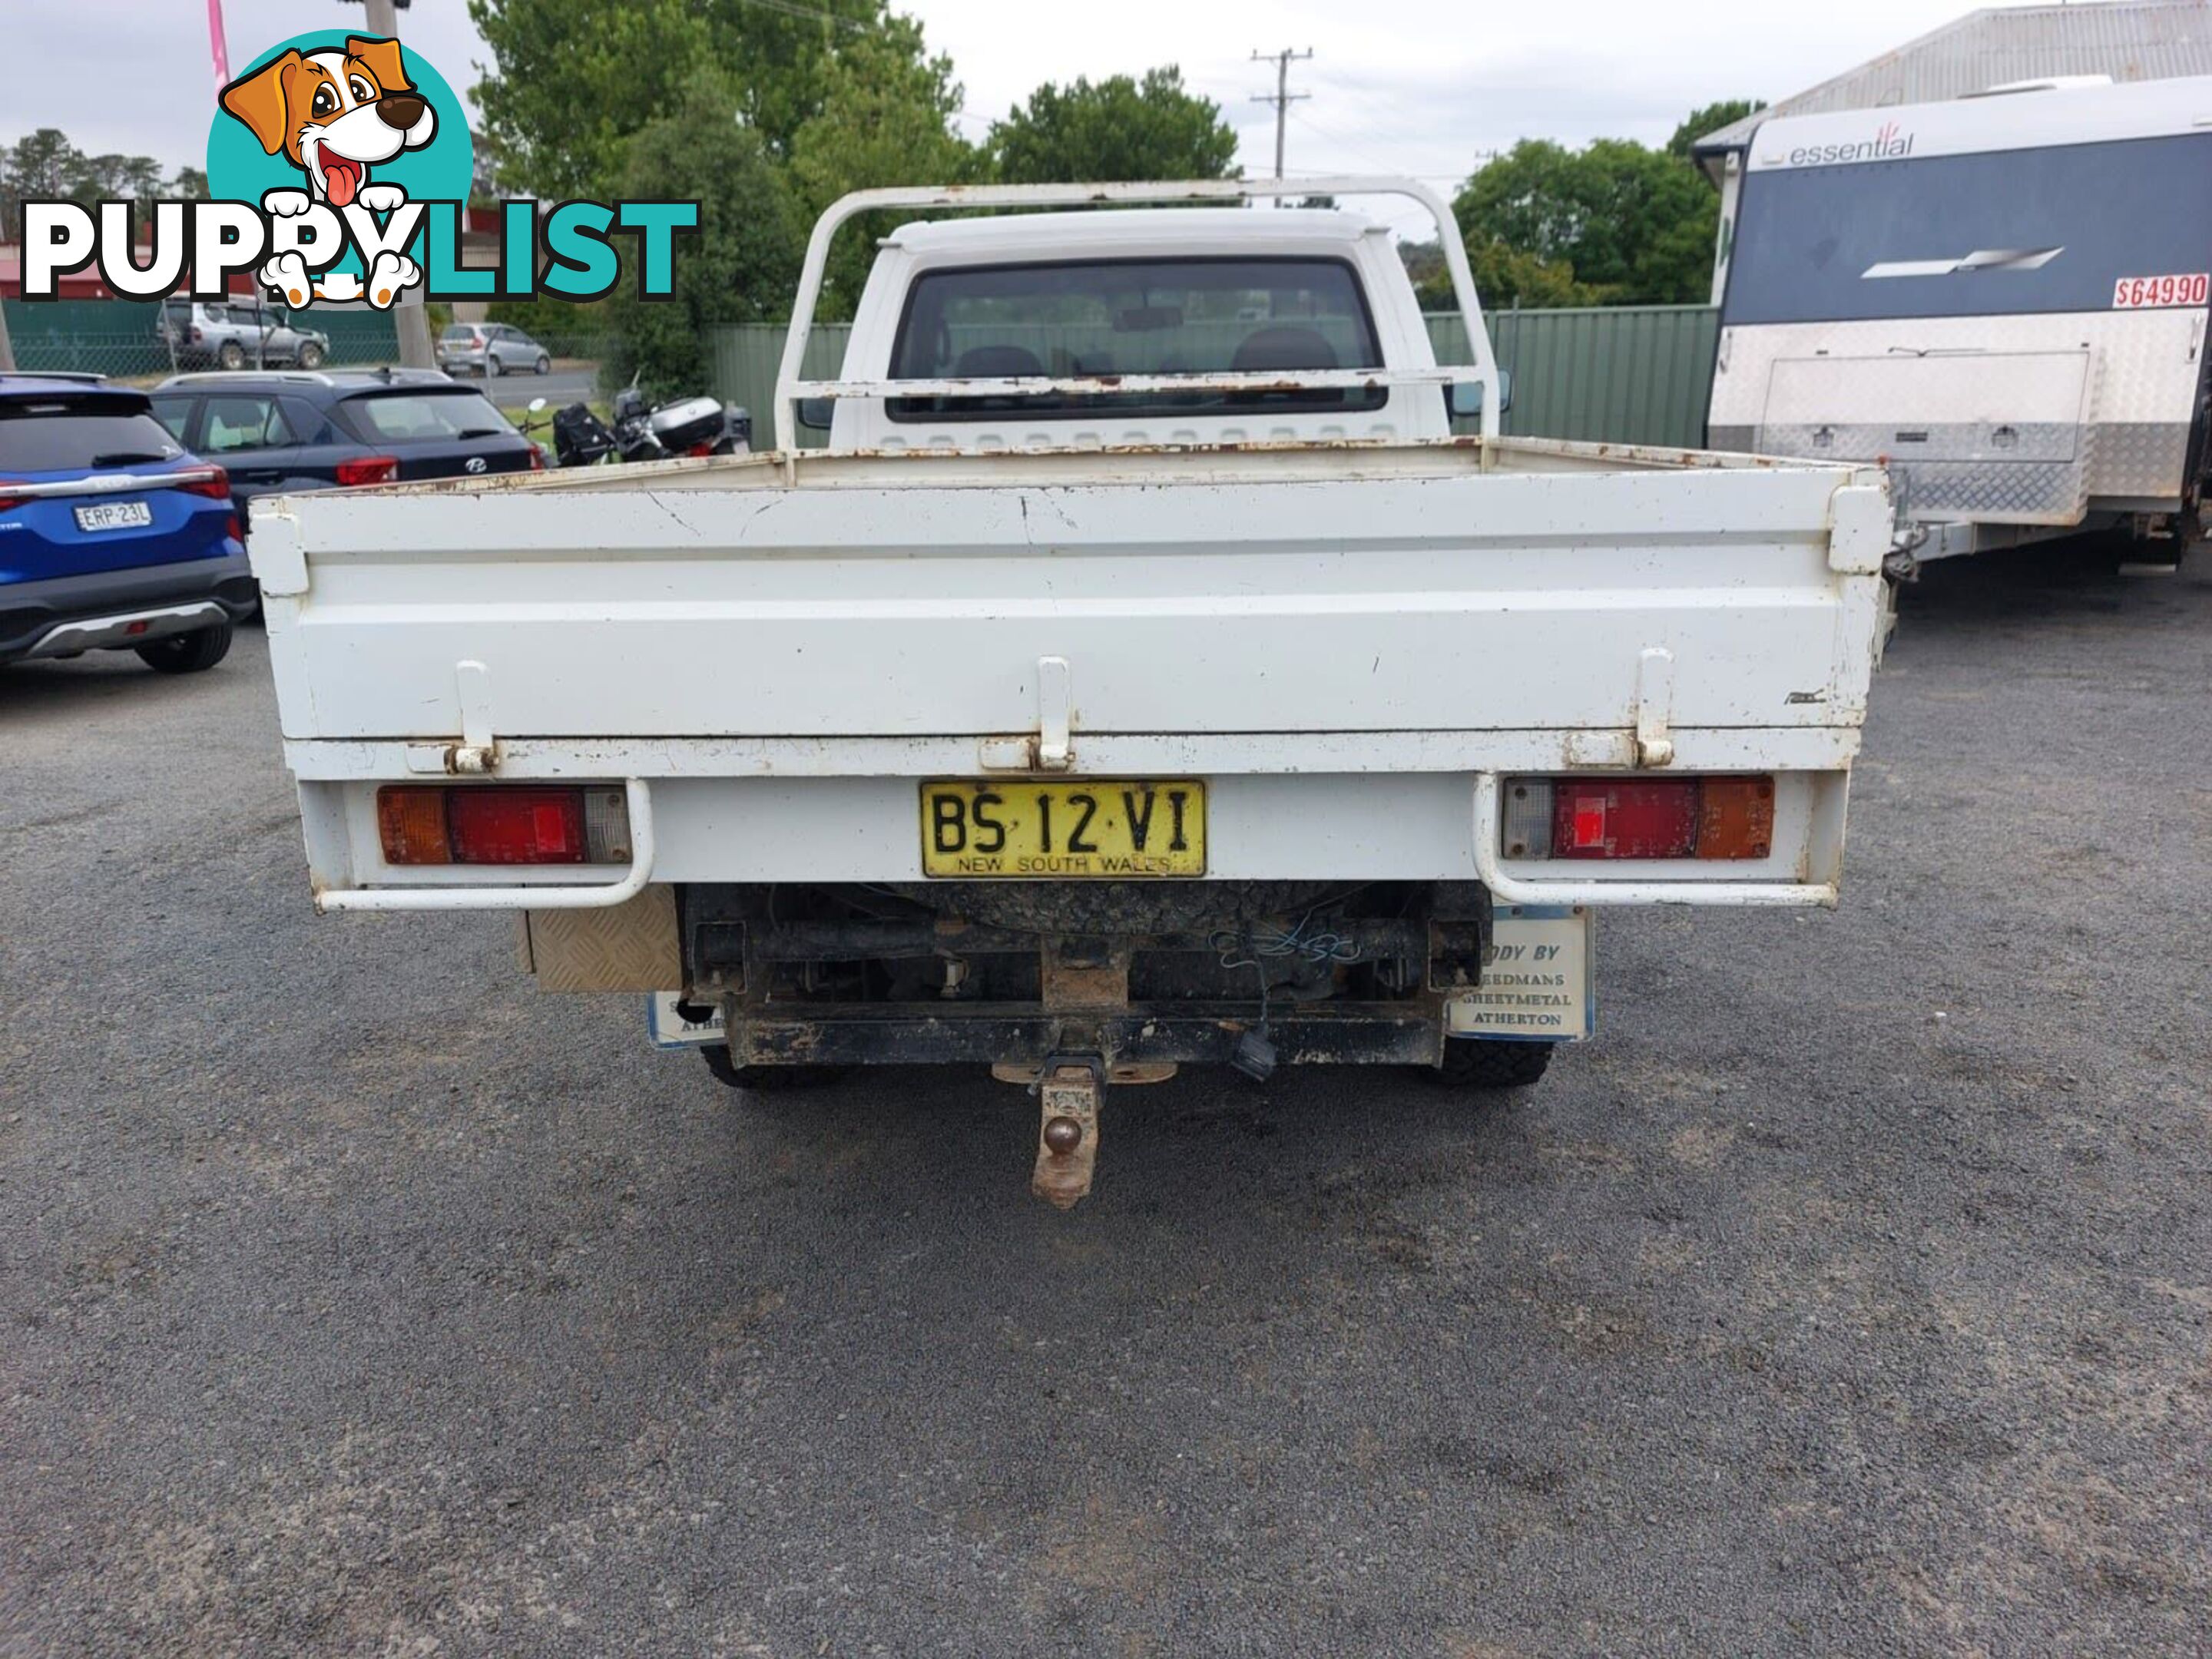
(1144, 675)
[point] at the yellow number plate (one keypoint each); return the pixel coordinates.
(1096, 828)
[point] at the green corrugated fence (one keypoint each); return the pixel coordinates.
(1610, 374)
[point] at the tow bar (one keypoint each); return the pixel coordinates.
(1069, 1093)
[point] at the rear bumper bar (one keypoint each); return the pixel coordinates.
(67, 614)
(129, 628)
(932, 1034)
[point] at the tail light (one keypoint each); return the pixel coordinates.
(368, 469)
(502, 824)
(195, 334)
(537, 459)
(1602, 817)
(216, 488)
(8, 501)
(232, 528)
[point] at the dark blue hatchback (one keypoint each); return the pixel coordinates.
(111, 535)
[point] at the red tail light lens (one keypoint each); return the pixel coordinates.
(368, 469)
(8, 501)
(502, 824)
(1619, 820)
(537, 459)
(216, 488)
(1605, 818)
(516, 826)
(232, 528)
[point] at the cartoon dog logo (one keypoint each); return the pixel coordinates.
(335, 115)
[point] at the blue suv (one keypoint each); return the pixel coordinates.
(112, 536)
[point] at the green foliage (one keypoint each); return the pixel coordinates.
(1504, 277)
(554, 322)
(1712, 119)
(886, 119)
(1613, 223)
(573, 81)
(1117, 129)
(742, 270)
(45, 165)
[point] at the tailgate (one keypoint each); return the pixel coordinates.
(1468, 601)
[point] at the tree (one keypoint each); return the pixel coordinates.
(1712, 119)
(116, 178)
(741, 270)
(886, 119)
(572, 83)
(1623, 224)
(1118, 129)
(40, 166)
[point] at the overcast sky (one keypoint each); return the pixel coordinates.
(1417, 86)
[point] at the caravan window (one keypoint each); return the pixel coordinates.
(2055, 229)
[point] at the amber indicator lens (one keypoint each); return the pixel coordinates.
(411, 822)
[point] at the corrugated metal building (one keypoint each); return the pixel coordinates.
(2125, 40)
(1996, 47)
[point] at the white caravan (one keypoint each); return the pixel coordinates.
(1145, 675)
(2002, 298)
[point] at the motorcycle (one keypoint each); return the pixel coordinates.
(687, 426)
(640, 432)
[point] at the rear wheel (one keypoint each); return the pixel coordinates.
(1481, 1063)
(767, 1079)
(231, 355)
(544, 364)
(493, 368)
(188, 653)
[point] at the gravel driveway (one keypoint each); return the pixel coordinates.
(1852, 1293)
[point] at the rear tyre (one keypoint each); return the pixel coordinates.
(1479, 1063)
(187, 653)
(231, 355)
(544, 364)
(767, 1080)
(493, 369)
(311, 356)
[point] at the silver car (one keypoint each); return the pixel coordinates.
(202, 333)
(488, 349)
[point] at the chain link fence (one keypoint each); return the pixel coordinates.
(125, 340)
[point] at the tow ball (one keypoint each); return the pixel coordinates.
(1068, 1097)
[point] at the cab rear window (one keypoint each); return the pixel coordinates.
(53, 434)
(1108, 317)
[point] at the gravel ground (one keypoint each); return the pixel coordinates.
(1851, 1293)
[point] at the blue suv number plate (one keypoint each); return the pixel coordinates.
(115, 515)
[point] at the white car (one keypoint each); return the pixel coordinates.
(206, 334)
(1146, 675)
(490, 348)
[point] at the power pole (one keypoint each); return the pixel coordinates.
(407, 316)
(1282, 97)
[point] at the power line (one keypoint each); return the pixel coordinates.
(1282, 98)
(1358, 152)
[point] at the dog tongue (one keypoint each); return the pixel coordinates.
(342, 178)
